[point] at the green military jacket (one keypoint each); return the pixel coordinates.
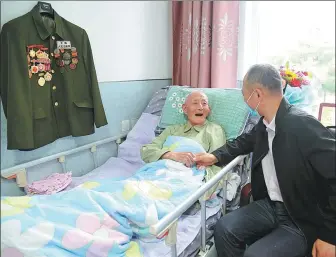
(48, 86)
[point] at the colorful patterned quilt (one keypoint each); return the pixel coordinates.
(99, 218)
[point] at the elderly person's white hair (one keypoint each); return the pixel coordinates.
(193, 93)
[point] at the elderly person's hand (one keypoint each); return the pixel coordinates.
(184, 157)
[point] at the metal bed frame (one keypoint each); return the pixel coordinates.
(19, 172)
(167, 226)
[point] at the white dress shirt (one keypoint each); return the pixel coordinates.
(268, 166)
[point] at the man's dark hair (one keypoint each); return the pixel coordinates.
(266, 75)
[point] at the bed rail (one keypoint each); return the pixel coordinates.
(18, 172)
(168, 224)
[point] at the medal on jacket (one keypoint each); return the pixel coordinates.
(39, 63)
(57, 53)
(74, 59)
(39, 54)
(72, 66)
(41, 81)
(47, 76)
(34, 69)
(66, 56)
(41, 67)
(32, 53)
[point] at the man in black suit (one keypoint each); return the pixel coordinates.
(293, 178)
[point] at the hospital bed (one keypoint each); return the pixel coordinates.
(187, 230)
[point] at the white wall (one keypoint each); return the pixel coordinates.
(130, 40)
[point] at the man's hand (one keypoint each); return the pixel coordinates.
(205, 159)
(323, 249)
(188, 159)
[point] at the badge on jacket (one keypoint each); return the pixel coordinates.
(39, 63)
(66, 55)
(63, 44)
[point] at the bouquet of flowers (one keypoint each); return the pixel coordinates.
(295, 78)
(300, 88)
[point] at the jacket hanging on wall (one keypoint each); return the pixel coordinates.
(48, 86)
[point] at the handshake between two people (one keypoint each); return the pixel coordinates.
(202, 160)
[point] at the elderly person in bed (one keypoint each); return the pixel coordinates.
(198, 128)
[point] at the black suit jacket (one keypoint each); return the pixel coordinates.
(304, 158)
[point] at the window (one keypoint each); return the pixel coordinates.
(302, 33)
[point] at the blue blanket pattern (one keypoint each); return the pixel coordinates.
(102, 217)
